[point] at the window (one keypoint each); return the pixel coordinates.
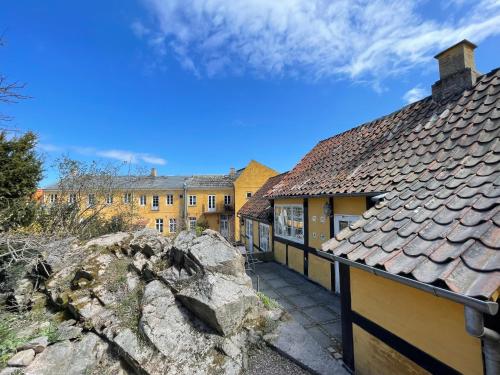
(155, 203)
(91, 200)
(170, 199)
(172, 225)
(127, 198)
(192, 200)
(53, 198)
(159, 225)
(289, 222)
(109, 199)
(142, 200)
(192, 223)
(264, 236)
(227, 200)
(211, 203)
(249, 194)
(72, 199)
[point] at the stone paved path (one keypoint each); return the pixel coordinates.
(314, 307)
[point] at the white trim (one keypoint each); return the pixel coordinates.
(266, 237)
(249, 234)
(336, 229)
(214, 208)
(192, 200)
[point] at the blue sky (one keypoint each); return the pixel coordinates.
(200, 86)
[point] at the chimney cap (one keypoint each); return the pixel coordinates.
(465, 42)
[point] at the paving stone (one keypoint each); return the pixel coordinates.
(288, 291)
(320, 336)
(320, 314)
(267, 275)
(334, 329)
(277, 283)
(301, 318)
(309, 288)
(285, 304)
(302, 301)
(271, 293)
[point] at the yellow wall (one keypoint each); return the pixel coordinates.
(296, 259)
(434, 325)
(201, 208)
(319, 270)
(374, 357)
(354, 205)
(319, 223)
(280, 252)
(250, 180)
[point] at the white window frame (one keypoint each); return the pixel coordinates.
(72, 198)
(155, 202)
(212, 197)
(143, 200)
(170, 199)
(159, 225)
(91, 200)
(192, 200)
(336, 230)
(227, 200)
(278, 226)
(172, 225)
(249, 234)
(109, 199)
(264, 232)
(52, 198)
(192, 223)
(127, 198)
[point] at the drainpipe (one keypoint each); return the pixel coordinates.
(184, 214)
(474, 324)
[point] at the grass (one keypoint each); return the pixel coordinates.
(268, 302)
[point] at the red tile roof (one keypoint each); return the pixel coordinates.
(258, 206)
(440, 221)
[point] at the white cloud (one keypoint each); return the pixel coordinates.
(356, 39)
(120, 155)
(414, 94)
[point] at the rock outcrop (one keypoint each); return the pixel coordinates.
(142, 303)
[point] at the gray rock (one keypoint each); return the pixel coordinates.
(20, 298)
(221, 301)
(76, 357)
(176, 279)
(10, 371)
(149, 242)
(22, 358)
(68, 332)
(37, 344)
(118, 239)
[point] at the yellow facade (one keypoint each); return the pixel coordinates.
(200, 209)
(249, 181)
(352, 205)
(319, 222)
(434, 325)
(280, 252)
(296, 259)
(319, 270)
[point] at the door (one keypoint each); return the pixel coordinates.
(224, 226)
(264, 236)
(341, 222)
(249, 235)
(211, 203)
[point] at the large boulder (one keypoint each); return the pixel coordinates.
(149, 242)
(222, 301)
(70, 357)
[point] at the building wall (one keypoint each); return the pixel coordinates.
(319, 223)
(250, 180)
(373, 357)
(319, 270)
(200, 210)
(280, 252)
(434, 325)
(353, 205)
(296, 259)
(256, 240)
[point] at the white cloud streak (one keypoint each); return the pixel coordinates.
(414, 94)
(355, 39)
(119, 155)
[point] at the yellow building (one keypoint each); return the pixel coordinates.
(169, 203)
(256, 216)
(412, 200)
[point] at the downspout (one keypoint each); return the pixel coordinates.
(184, 214)
(474, 325)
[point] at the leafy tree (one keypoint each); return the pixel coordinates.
(20, 173)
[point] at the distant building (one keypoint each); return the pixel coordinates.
(168, 203)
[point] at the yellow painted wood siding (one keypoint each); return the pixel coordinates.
(433, 324)
(319, 223)
(319, 270)
(374, 357)
(280, 252)
(296, 259)
(354, 205)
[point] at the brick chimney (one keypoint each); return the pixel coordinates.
(232, 172)
(457, 70)
(153, 172)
